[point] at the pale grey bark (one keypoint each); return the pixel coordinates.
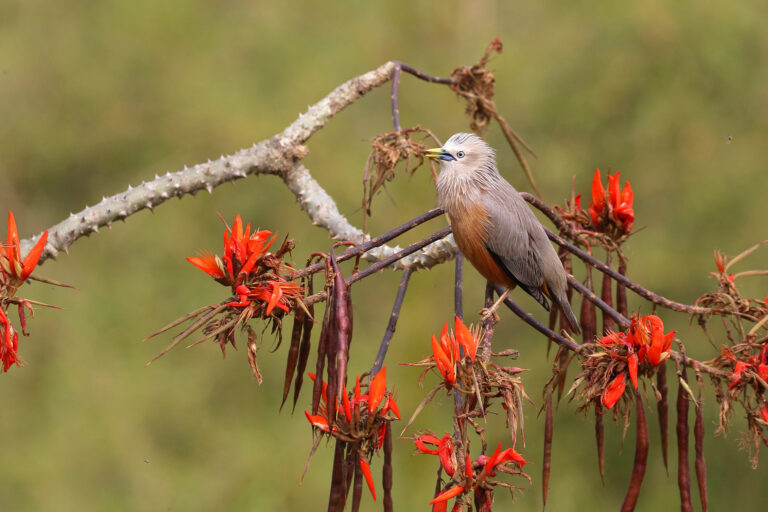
(279, 155)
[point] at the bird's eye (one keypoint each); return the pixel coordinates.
(460, 154)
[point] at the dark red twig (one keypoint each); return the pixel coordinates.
(374, 242)
(701, 464)
(396, 74)
(662, 408)
(392, 324)
(458, 286)
(530, 320)
(546, 465)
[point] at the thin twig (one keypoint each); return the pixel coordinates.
(384, 346)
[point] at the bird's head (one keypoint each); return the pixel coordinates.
(464, 153)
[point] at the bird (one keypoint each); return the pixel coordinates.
(494, 227)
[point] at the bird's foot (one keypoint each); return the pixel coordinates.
(487, 313)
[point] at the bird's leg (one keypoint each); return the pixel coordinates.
(486, 313)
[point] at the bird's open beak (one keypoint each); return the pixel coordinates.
(439, 154)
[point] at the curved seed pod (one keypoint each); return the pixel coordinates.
(683, 471)
(641, 457)
(588, 322)
(608, 324)
(343, 324)
(306, 343)
(662, 408)
(600, 438)
(293, 352)
(701, 464)
(547, 458)
(322, 349)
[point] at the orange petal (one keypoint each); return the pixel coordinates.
(377, 389)
(207, 263)
(632, 363)
(511, 455)
(613, 392)
(345, 403)
(31, 259)
(465, 338)
(614, 196)
(13, 239)
(317, 421)
(445, 452)
(450, 493)
(368, 476)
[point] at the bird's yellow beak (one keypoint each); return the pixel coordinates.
(439, 154)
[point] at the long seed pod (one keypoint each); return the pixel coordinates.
(338, 492)
(386, 473)
(701, 464)
(641, 457)
(662, 407)
(306, 344)
(351, 461)
(342, 329)
(600, 438)
(322, 349)
(621, 290)
(357, 492)
(588, 323)
(683, 471)
(608, 324)
(293, 352)
(547, 458)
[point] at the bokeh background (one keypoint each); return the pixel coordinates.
(98, 95)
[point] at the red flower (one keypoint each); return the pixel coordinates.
(9, 343)
(598, 199)
(368, 476)
(377, 389)
(208, 263)
(764, 412)
(444, 362)
(11, 264)
(450, 493)
(619, 205)
(613, 392)
(658, 349)
(738, 373)
(465, 338)
(445, 452)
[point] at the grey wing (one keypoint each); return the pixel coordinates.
(512, 241)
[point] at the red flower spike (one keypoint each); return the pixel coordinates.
(465, 338)
(632, 364)
(491, 462)
(382, 432)
(762, 371)
(17, 269)
(357, 389)
(613, 392)
(368, 476)
(450, 493)
(445, 452)
(274, 299)
(13, 239)
(377, 389)
(598, 199)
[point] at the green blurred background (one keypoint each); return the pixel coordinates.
(98, 95)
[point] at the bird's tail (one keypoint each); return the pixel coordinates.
(565, 307)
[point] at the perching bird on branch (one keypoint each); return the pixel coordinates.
(494, 227)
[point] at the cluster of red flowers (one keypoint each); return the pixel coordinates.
(361, 417)
(757, 364)
(644, 341)
(240, 268)
(446, 352)
(475, 472)
(14, 271)
(618, 208)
